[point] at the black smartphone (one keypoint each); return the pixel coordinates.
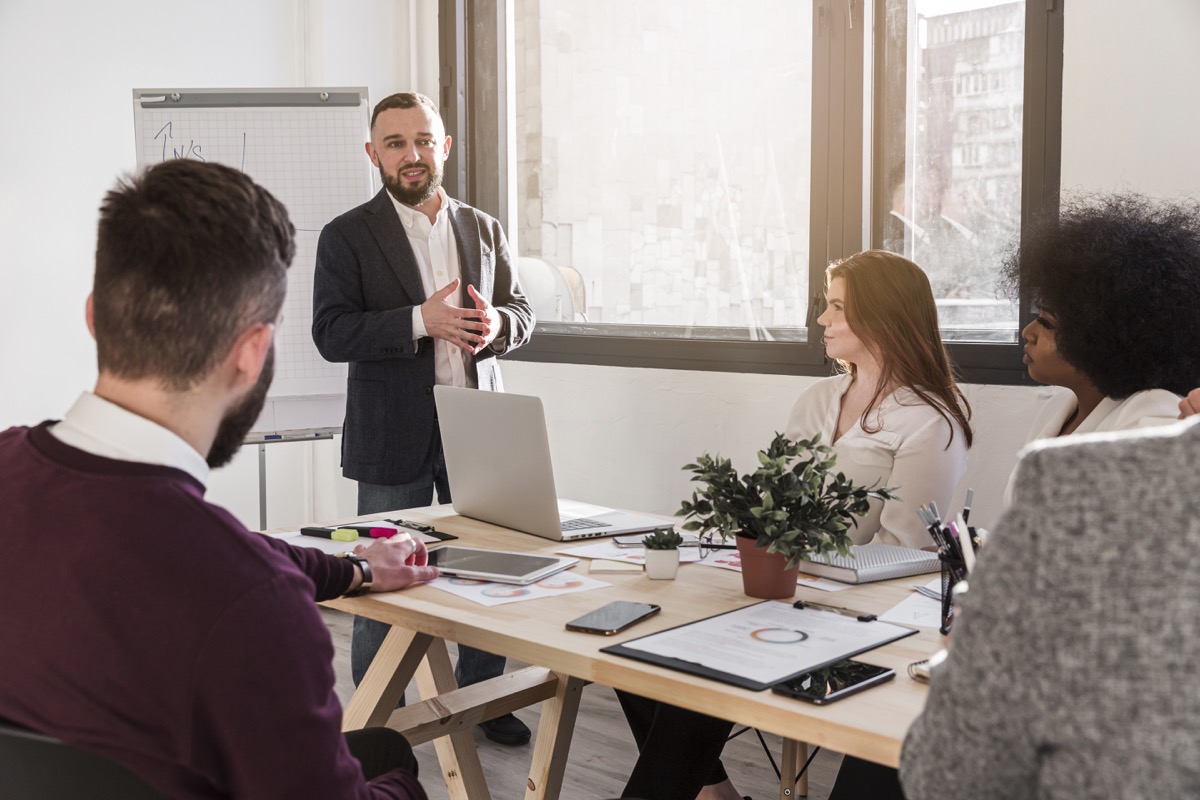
(616, 616)
(834, 682)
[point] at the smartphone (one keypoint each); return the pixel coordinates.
(689, 540)
(616, 616)
(834, 682)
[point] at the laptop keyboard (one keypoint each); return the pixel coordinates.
(578, 523)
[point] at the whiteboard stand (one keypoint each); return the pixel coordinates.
(264, 439)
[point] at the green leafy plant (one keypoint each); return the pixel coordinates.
(662, 539)
(793, 504)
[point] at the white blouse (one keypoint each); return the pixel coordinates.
(1143, 409)
(908, 453)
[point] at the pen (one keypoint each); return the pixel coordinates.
(966, 512)
(845, 612)
(933, 525)
(976, 539)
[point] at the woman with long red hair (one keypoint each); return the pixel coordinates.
(895, 417)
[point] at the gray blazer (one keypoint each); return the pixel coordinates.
(1072, 669)
(364, 290)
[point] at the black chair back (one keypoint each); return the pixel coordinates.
(43, 768)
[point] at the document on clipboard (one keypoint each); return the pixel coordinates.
(758, 646)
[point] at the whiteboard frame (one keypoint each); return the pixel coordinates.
(284, 417)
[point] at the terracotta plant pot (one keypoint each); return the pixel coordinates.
(763, 575)
(661, 565)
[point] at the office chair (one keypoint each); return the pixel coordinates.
(36, 766)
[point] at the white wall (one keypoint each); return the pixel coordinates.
(619, 435)
(1130, 108)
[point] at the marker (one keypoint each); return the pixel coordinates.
(382, 533)
(336, 534)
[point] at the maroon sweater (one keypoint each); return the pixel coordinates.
(145, 624)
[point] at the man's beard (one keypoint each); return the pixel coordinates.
(416, 195)
(238, 420)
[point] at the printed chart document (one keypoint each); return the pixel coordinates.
(761, 645)
(487, 593)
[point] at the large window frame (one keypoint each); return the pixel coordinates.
(477, 103)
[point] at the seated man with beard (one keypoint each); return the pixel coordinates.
(141, 622)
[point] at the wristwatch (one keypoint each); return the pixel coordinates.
(365, 569)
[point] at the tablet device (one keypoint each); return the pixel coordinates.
(501, 566)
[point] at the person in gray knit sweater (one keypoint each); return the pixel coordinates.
(1071, 670)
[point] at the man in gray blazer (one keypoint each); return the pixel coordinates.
(1072, 667)
(413, 289)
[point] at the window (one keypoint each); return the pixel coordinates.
(952, 202)
(663, 154)
(682, 171)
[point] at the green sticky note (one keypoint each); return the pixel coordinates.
(344, 535)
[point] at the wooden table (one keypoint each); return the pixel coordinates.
(870, 725)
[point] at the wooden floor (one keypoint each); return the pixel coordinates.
(602, 749)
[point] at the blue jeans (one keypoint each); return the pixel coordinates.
(368, 634)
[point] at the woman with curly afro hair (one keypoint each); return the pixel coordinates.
(1115, 280)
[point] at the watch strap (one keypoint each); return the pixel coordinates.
(365, 568)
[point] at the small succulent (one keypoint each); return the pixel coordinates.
(662, 539)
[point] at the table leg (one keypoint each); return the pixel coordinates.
(386, 678)
(555, 729)
(794, 755)
(456, 752)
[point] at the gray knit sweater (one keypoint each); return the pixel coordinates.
(1073, 668)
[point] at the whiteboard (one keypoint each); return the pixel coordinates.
(305, 146)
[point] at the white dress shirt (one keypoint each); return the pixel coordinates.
(908, 453)
(102, 428)
(436, 251)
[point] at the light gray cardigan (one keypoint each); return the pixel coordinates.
(1073, 665)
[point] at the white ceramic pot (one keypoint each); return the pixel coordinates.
(661, 565)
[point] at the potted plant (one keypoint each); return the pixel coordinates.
(793, 508)
(662, 553)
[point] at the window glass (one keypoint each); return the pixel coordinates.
(949, 196)
(663, 159)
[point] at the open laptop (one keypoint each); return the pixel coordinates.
(498, 463)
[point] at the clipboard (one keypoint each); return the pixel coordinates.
(798, 659)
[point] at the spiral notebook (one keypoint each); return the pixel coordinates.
(873, 562)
